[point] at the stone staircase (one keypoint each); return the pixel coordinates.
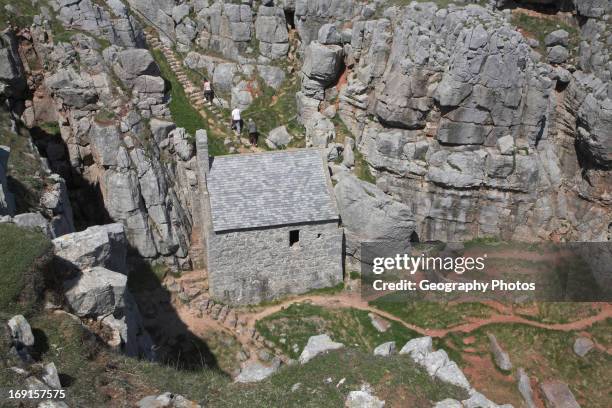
(210, 111)
(194, 291)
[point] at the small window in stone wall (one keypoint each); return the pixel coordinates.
(294, 237)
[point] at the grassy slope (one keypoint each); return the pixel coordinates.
(349, 326)
(272, 109)
(19, 251)
(433, 315)
(183, 113)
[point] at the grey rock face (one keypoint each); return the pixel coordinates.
(272, 76)
(318, 345)
(57, 207)
(465, 78)
(271, 31)
(370, 215)
(20, 331)
(558, 395)
(134, 62)
(582, 346)
(278, 137)
(329, 35)
(98, 291)
(502, 359)
(319, 131)
(12, 73)
(321, 67)
(121, 29)
(7, 199)
(594, 130)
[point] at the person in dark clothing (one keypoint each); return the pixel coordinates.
(252, 128)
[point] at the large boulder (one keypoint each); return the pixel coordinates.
(100, 245)
(558, 395)
(97, 291)
(256, 371)
(502, 359)
(278, 137)
(320, 131)
(322, 63)
(368, 213)
(20, 330)
(582, 346)
(318, 345)
(133, 62)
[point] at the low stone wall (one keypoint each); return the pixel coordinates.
(249, 267)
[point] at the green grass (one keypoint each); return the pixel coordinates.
(183, 113)
(20, 249)
(353, 327)
(24, 16)
(539, 28)
(272, 109)
(433, 315)
(562, 312)
(362, 168)
(548, 355)
(397, 380)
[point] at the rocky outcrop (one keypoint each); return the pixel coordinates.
(113, 23)
(363, 398)
(271, 31)
(557, 395)
(438, 365)
(97, 292)
(582, 345)
(460, 120)
(256, 371)
(278, 137)
(369, 215)
(94, 262)
(12, 73)
(318, 345)
(385, 349)
(168, 400)
(7, 199)
(501, 358)
(21, 332)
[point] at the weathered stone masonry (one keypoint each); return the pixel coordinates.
(272, 224)
(256, 265)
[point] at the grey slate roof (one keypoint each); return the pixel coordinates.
(270, 189)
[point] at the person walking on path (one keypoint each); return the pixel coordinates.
(208, 92)
(236, 121)
(252, 128)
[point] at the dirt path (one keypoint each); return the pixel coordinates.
(355, 301)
